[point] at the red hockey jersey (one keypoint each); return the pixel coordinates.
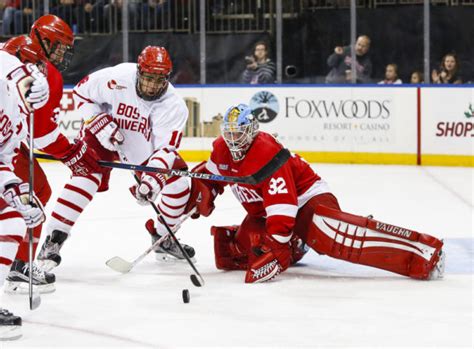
(277, 198)
(46, 131)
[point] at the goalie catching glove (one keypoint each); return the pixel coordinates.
(17, 196)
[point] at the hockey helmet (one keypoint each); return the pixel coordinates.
(26, 50)
(153, 71)
(239, 129)
(55, 38)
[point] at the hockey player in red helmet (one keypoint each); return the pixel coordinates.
(131, 106)
(55, 38)
(154, 69)
(47, 137)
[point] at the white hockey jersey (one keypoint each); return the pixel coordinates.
(147, 126)
(13, 130)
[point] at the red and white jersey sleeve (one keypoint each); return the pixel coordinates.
(147, 126)
(12, 132)
(279, 197)
(47, 136)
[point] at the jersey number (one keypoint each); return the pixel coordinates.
(277, 186)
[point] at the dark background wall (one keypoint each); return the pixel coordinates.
(396, 33)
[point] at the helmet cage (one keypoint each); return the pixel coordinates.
(239, 135)
(151, 86)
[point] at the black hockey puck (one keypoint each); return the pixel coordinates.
(186, 296)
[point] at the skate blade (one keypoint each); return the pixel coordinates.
(46, 264)
(12, 287)
(10, 333)
(167, 258)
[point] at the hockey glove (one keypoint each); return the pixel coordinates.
(38, 94)
(149, 188)
(272, 258)
(17, 196)
(104, 128)
(82, 160)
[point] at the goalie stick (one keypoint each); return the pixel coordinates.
(122, 266)
(198, 282)
(266, 171)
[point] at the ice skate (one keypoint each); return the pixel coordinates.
(17, 281)
(168, 250)
(10, 326)
(49, 257)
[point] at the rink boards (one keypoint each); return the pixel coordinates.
(336, 124)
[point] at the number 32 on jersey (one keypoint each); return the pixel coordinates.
(277, 186)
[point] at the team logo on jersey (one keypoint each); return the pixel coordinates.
(265, 106)
(224, 167)
(112, 84)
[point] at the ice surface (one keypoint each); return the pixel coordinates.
(321, 302)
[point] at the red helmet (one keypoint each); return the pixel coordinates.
(155, 60)
(153, 71)
(55, 38)
(25, 50)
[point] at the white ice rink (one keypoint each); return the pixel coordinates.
(321, 302)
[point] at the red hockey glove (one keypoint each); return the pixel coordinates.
(149, 188)
(272, 258)
(17, 196)
(203, 194)
(82, 160)
(104, 128)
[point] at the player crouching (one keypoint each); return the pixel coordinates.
(292, 209)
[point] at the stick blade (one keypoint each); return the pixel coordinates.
(35, 301)
(197, 282)
(119, 265)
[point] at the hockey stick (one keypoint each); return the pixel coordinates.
(266, 171)
(34, 298)
(194, 279)
(122, 266)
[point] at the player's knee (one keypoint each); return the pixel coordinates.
(228, 255)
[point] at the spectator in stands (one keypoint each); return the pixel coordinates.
(391, 75)
(416, 77)
(260, 68)
(448, 72)
(23, 17)
(340, 63)
(89, 16)
(10, 8)
(65, 10)
(113, 14)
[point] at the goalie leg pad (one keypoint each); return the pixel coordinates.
(366, 241)
(227, 252)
